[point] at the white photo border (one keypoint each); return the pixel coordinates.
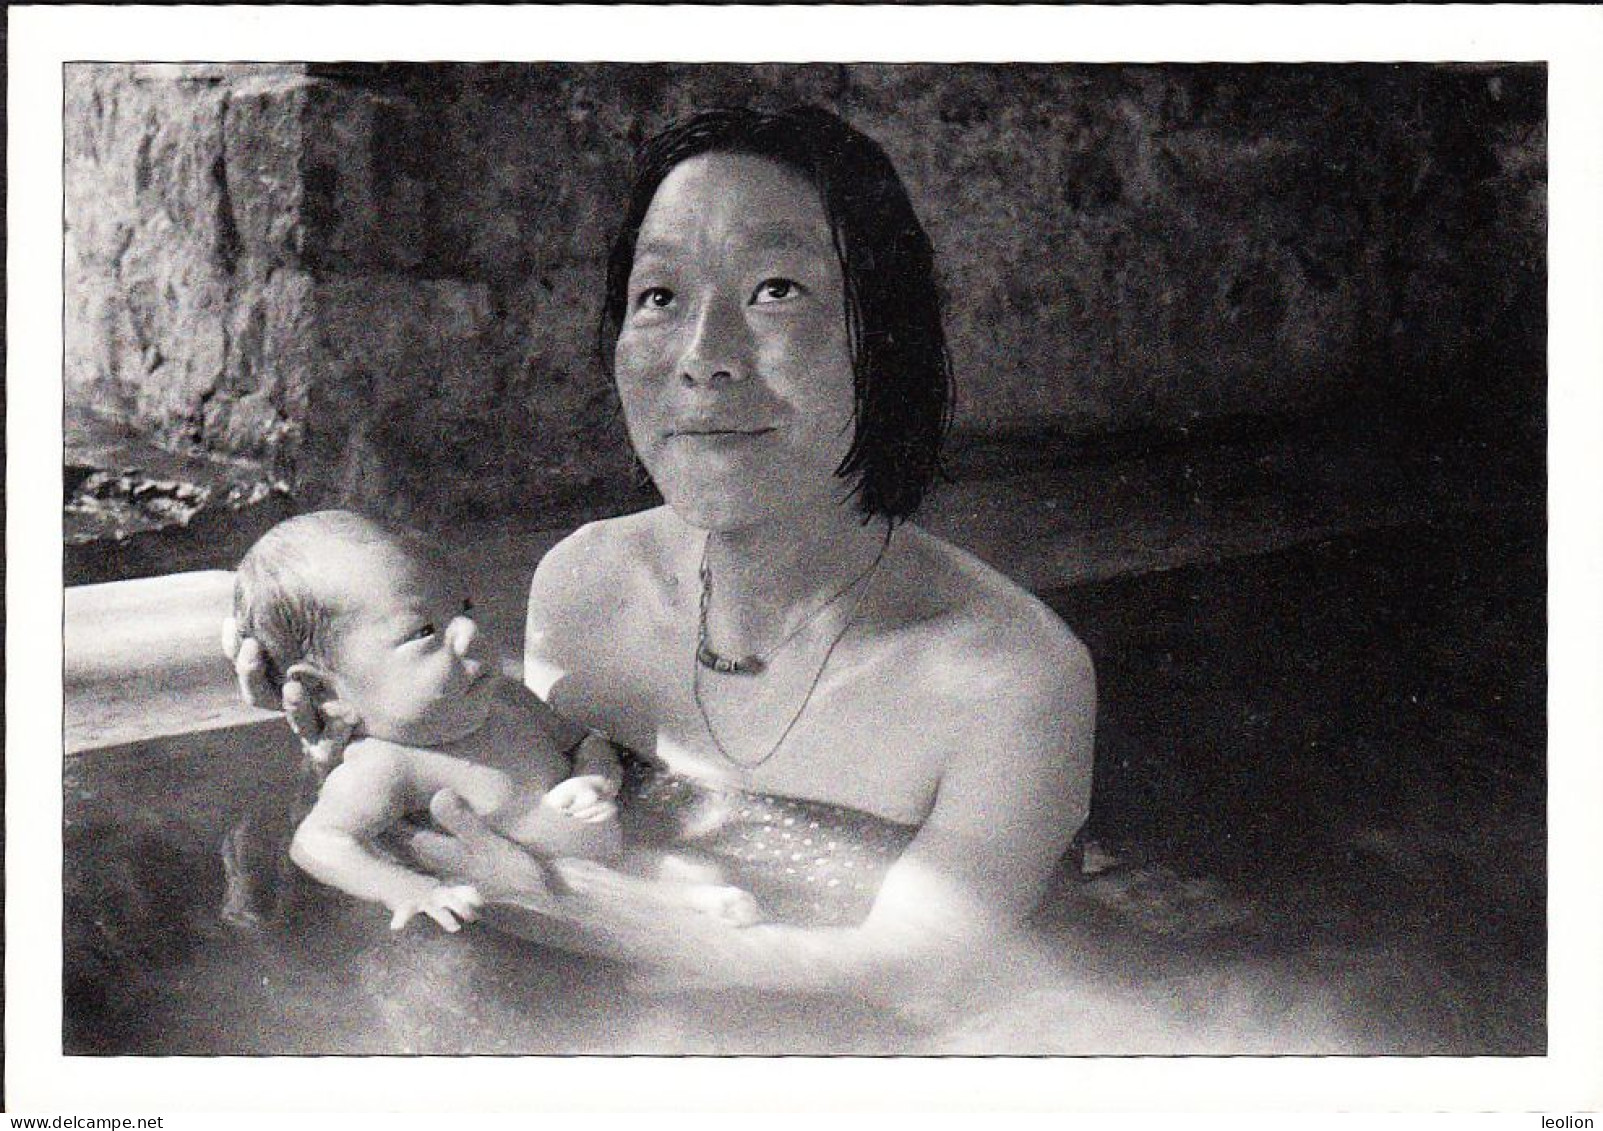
(1569, 39)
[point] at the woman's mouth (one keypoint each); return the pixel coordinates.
(716, 435)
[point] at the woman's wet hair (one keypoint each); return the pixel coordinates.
(902, 372)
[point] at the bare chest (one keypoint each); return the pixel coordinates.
(841, 728)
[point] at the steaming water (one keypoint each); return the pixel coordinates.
(153, 968)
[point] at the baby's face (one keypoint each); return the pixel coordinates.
(407, 654)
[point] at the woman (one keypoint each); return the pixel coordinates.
(787, 653)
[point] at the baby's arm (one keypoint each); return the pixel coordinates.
(368, 793)
(588, 794)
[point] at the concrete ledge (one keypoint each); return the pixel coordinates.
(143, 660)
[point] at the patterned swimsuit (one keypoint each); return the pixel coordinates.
(806, 862)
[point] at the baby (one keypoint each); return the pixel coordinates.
(369, 616)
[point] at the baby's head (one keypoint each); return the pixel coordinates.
(367, 615)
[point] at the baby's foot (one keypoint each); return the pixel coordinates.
(732, 905)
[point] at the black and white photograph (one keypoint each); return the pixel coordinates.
(733, 554)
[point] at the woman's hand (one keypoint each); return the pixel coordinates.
(323, 729)
(473, 853)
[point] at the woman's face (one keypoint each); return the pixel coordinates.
(733, 363)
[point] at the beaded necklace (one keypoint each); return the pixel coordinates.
(707, 658)
(756, 663)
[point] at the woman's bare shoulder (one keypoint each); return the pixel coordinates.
(1013, 687)
(607, 558)
(973, 621)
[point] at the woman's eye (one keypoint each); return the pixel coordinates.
(654, 298)
(775, 290)
(423, 632)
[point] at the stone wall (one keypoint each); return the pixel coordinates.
(381, 281)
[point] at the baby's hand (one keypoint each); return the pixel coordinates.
(586, 798)
(449, 905)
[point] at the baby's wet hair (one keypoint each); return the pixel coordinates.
(281, 600)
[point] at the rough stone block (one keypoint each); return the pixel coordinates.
(100, 214)
(272, 333)
(211, 74)
(366, 194)
(177, 297)
(263, 136)
(90, 332)
(531, 163)
(248, 425)
(310, 177)
(179, 168)
(405, 388)
(559, 404)
(105, 121)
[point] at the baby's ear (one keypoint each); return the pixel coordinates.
(319, 717)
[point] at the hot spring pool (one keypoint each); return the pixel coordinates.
(1367, 911)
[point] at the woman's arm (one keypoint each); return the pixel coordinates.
(1013, 794)
(1014, 789)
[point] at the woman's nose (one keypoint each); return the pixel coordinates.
(719, 351)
